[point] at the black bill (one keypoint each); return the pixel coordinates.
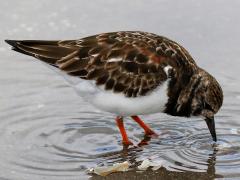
(211, 126)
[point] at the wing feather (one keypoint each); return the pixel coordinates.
(131, 63)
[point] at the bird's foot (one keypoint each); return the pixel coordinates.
(151, 133)
(127, 143)
(143, 143)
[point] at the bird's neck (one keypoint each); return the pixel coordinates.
(180, 94)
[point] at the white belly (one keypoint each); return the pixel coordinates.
(124, 106)
(117, 103)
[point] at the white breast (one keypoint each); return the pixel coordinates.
(118, 103)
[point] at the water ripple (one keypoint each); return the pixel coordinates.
(44, 134)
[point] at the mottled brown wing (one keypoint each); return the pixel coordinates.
(117, 65)
(126, 62)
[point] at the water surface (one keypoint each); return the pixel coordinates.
(48, 132)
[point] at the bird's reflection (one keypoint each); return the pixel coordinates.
(131, 154)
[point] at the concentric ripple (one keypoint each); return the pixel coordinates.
(47, 131)
(193, 150)
(45, 137)
(61, 137)
(45, 142)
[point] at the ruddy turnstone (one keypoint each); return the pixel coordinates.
(132, 73)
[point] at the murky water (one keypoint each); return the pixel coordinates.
(48, 132)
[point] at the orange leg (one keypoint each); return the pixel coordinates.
(146, 128)
(125, 140)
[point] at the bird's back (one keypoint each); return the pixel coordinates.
(127, 64)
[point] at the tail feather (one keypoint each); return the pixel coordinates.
(47, 51)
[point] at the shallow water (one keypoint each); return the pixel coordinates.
(48, 132)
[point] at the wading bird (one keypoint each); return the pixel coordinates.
(132, 73)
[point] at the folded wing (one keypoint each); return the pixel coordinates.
(131, 63)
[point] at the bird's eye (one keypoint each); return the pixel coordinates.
(207, 106)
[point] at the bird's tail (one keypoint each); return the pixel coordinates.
(47, 51)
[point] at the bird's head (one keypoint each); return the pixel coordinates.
(207, 100)
(201, 96)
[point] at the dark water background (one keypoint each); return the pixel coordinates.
(48, 132)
